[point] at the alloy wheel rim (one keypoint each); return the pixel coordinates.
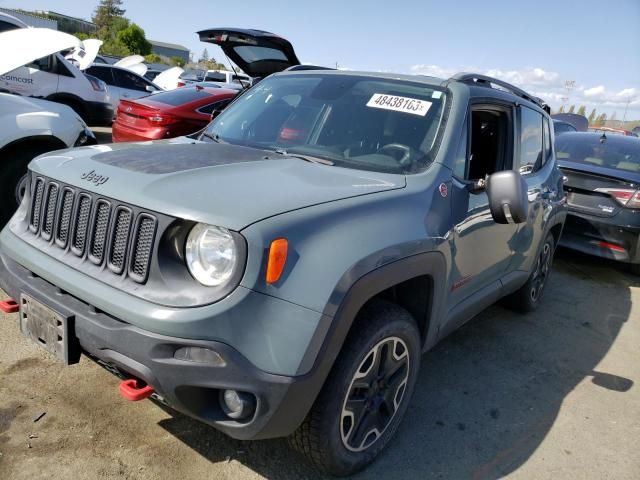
(375, 394)
(541, 272)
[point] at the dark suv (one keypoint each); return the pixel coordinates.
(282, 274)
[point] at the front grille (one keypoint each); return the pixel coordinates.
(99, 231)
(93, 228)
(142, 247)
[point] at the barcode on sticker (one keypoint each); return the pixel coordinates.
(413, 106)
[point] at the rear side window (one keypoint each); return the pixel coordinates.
(208, 109)
(530, 140)
(180, 96)
(6, 26)
(215, 77)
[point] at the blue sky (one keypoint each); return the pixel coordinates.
(536, 44)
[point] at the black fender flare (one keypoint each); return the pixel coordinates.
(332, 335)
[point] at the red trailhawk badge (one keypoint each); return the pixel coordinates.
(444, 191)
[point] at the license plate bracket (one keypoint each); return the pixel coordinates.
(48, 328)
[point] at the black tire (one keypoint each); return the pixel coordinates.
(13, 168)
(528, 297)
(634, 268)
(338, 440)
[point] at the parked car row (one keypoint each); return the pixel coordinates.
(281, 271)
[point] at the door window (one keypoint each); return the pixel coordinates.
(490, 142)
(530, 141)
(124, 79)
(547, 140)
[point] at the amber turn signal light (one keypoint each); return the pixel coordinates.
(277, 259)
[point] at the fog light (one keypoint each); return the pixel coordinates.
(199, 355)
(238, 405)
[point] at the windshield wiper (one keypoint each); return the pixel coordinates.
(307, 158)
(215, 138)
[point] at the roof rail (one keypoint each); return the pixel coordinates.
(484, 80)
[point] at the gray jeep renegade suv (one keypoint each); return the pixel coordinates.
(281, 274)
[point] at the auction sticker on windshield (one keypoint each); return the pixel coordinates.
(399, 104)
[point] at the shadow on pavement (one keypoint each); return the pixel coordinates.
(488, 395)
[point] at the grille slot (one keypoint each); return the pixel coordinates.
(95, 229)
(142, 247)
(81, 223)
(119, 240)
(64, 218)
(50, 210)
(99, 230)
(36, 205)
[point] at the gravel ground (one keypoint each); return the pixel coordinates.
(549, 395)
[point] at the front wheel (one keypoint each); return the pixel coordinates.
(367, 393)
(528, 297)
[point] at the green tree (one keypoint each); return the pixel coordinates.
(112, 46)
(582, 110)
(134, 39)
(106, 12)
(572, 108)
(81, 35)
(153, 58)
(204, 57)
(592, 116)
(178, 61)
(561, 109)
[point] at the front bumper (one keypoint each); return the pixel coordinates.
(192, 388)
(589, 234)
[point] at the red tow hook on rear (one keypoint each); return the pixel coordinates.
(130, 390)
(9, 306)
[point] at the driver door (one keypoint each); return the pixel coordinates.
(481, 248)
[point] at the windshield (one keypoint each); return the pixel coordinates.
(620, 153)
(353, 121)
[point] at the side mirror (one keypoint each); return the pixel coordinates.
(149, 89)
(508, 199)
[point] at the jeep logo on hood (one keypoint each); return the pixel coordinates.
(92, 176)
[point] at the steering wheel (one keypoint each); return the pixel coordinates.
(398, 147)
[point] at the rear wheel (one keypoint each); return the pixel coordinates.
(528, 297)
(366, 395)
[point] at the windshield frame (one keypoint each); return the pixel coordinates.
(425, 162)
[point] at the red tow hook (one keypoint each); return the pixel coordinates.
(9, 306)
(129, 389)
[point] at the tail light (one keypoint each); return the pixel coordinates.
(160, 119)
(97, 84)
(181, 84)
(624, 196)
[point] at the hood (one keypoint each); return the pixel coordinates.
(220, 184)
(25, 45)
(256, 52)
(17, 105)
(168, 79)
(84, 57)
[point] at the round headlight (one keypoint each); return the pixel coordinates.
(211, 254)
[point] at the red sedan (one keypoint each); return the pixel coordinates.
(169, 114)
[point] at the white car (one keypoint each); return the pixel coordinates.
(30, 127)
(123, 83)
(223, 76)
(39, 70)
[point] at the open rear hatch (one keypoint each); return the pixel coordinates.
(256, 52)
